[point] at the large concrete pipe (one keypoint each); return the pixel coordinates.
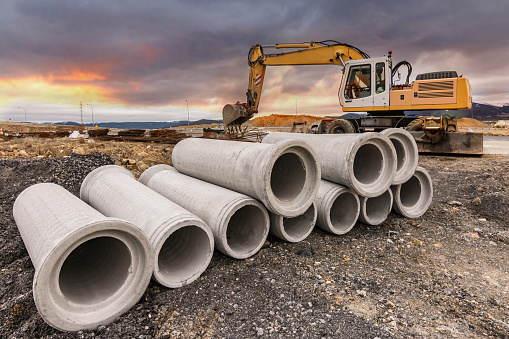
(240, 224)
(375, 210)
(412, 198)
(364, 162)
(284, 176)
(407, 154)
(183, 244)
(293, 229)
(89, 269)
(338, 208)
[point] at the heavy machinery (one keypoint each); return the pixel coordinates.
(368, 85)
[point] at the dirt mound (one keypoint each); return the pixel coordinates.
(277, 120)
(469, 122)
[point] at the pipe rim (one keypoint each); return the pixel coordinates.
(159, 240)
(381, 165)
(67, 315)
(297, 228)
(421, 205)
(299, 150)
(231, 210)
(153, 170)
(343, 227)
(407, 154)
(376, 217)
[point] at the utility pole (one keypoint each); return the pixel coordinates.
(23, 108)
(93, 123)
(81, 111)
(187, 104)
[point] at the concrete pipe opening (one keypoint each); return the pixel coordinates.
(298, 228)
(183, 256)
(410, 192)
(375, 210)
(407, 154)
(344, 213)
(368, 164)
(412, 198)
(246, 231)
(288, 177)
(94, 270)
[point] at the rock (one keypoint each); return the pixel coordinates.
(141, 166)
(80, 150)
(390, 304)
(259, 331)
(361, 293)
(476, 201)
(131, 162)
(454, 203)
(417, 242)
(482, 219)
(124, 161)
(23, 153)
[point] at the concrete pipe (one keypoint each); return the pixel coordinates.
(375, 210)
(407, 154)
(338, 208)
(364, 162)
(293, 229)
(240, 224)
(89, 269)
(412, 198)
(284, 176)
(183, 244)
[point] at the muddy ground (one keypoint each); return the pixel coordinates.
(445, 274)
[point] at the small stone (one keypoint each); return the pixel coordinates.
(482, 219)
(390, 304)
(454, 203)
(471, 234)
(80, 150)
(141, 166)
(417, 242)
(476, 201)
(131, 162)
(411, 223)
(23, 153)
(390, 241)
(259, 331)
(124, 161)
(361, 293)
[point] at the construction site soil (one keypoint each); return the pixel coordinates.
(445, 274)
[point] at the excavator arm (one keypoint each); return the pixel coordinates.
(312, 53)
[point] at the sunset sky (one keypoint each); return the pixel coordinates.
(140, 60)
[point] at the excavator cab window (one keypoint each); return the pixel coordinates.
(380, 77)
(359, 82)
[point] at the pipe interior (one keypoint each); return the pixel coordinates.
(184, 253)
(246, 229)
(288, 177)
(400, 153)
(368, 164)
(378, 208)
(343, 212)
(299, 226)
(410, 192)
(95, 270)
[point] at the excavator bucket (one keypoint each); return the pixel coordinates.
(235, 115)
(469, 143)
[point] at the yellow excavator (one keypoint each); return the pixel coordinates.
(368, 85)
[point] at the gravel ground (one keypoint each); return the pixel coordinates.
(445, 274)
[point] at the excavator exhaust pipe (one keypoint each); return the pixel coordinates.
(183, 244)
(240, 224)
(284, 176)
(412, 198)
(89, 269)
(338, 208)
(366, 162)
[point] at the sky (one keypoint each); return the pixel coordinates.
(141, 60)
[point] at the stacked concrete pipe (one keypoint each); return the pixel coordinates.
(240, 224)
(412, 198)
(364, 162)
(183, 244)
(407, 154)
(338, 208)
(284, 176)
(375, 210)
(89, 269)
(293, 229)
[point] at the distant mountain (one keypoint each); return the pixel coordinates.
(140, 124)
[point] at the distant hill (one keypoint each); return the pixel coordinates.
(140, 124)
